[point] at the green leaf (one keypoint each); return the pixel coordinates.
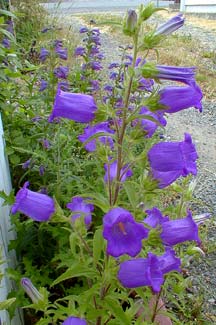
(117, 311)
(131, 191)
(75, 271)
(98, 244)
(99, 200)
(8, 198)
(7, 303)
(7, 13)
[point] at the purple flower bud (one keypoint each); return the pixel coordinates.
(41, 170)
(149, 126)
(83, 30)
(46, 29)
(31, 291)
(80, 209)
(43, 85)
(96, 66)
(6, 43)
(43, 54)
(79, 51)
(130, 24)
(171, 25)
(37, 206)
(26, 164)
(74, 321)
(58, 43)
(123, 234)
(62, 53)
(145, 84)
(77, 107)
(170, 160)
(113, 65)
(90, 131)
(155, 217)
(111, 172)
(46, 144)
(61, 72)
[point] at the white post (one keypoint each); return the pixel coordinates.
(182, 5)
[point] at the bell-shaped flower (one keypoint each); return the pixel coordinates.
(31, 291)
(44, 53)
(145, 84)
(155, 217)
(37, 206)
(171, 25)
(62, 52)
(123, 234)
(79, 51)
(178, 98)
(179, 230)
(77, 107)
(130, 23)
(81, 208)
(148, 271)
(74, 321)
(90, 131)
(6, 43)
(61, 72)
(111, 172)
(150, 126)
(170, 160)
(43, 85)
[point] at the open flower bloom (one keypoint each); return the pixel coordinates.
(111, 172)
(77, 107)
(74, 321)
(170, 160)
(31, 291)
(179, 98)
(80, 208)
(149, 126)
(37, 206)
(155, 217)
(80, 50)
(179, 230)
(62, 52)
(171, 25)
(123, 234)
(148, 271)
(90, 131)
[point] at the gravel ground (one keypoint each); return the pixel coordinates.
(202, 127)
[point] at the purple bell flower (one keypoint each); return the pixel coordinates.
(80, 208)
(111, 172)
(155, 217)
(6, 43)
(113, 65)
(58, 43)
(64, 85)
(74, 321)
(148, 271)
(89, 131)
(62, 52)
(37, 206)
(145, 84)
(123, 234)
(43, 85)
(171, 25)
(79, 51)
(170, 160)
(26, 164)
(179, 98)
(46, 143)
(77, 107)
(149, 126)
(61, 72)
(44, 53)
(96, 66)
(179, 230)
(31, 291)
(83, 30)
(94, 85)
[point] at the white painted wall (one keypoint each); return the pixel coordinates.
(5, 236)
(198, 6)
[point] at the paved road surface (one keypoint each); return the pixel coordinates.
(76, 6)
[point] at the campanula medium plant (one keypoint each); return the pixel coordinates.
(115, 242)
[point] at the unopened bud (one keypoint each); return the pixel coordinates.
(31, 291)
(130, 24)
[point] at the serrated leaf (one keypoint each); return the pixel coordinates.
(117, 311)
(98, 243)
(131, 193)
(7, 303)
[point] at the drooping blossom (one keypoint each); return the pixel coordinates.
(6, 43)
(79, 51)
(113, 65)
(37, 206)
(150, 126)
(90, 131)
(44, 53)
(155, 217)
(148, 271)
(62, 52)
(111, 172)
(26, 164)
(46, 143)
(61, 72)
(96, 66)
(31, 290)
(171, 25)
(64, 85)
(130, 23)
(81, 208)
(45, 29)
(145, 84)
(123, 234)
(43, 85)
(170, 160)
(83, 30)
(74, 321)
(178, 98)
(180, 74)
(179, 230)
(58, 43)
(77, 107)
(94, 85)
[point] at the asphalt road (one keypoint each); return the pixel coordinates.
(76, 6)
